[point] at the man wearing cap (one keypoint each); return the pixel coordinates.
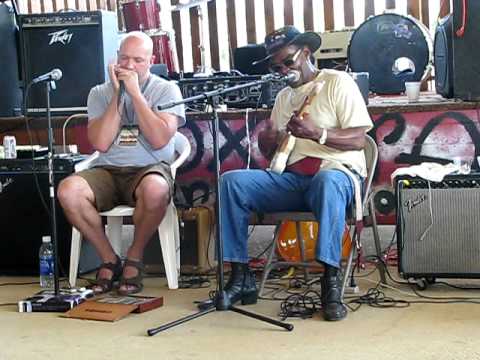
(325, 167)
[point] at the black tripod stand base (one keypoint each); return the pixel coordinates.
(154, 331)
(281, 324)
(161, 328)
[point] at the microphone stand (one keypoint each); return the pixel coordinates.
(51, 181)
(221, 302)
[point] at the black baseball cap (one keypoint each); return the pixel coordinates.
(289, 35)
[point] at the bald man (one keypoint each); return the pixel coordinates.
(135, 143)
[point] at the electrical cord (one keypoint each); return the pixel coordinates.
(301, 306)
(17, 284)
(64, 128)
(193, 282)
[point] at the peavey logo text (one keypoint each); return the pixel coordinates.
(410, 204)
(61, 36)
(3, 185)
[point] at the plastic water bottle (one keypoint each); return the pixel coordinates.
(46, 263)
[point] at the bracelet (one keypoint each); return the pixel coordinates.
(323, 138)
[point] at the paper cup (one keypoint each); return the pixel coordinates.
(412, 89)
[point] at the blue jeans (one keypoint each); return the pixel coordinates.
(328, 195)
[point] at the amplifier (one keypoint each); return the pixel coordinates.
(25, 214)
(437, 227)
(196, 243)
(80, 44)
(466, 64)
(334, 44)
(248, 97)
(11, 97)
(196, 239)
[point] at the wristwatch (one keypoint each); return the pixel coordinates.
(323, 139)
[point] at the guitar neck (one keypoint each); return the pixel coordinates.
(305, 103)
(309, 98)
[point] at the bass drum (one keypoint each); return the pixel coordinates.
(393, 49)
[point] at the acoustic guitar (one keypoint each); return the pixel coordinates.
(288, 246)
(280, 159)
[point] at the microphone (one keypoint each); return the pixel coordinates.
(291, 76)
(121, 91)
(55, 74)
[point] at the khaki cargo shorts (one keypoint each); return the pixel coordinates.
(114, 185)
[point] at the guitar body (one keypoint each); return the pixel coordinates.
(288, 245)
(279, 161)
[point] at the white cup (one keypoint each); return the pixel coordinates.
(464, 164)
(412, 89)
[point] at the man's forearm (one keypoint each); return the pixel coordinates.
(346, 139)
(102, 131)
(157, 128)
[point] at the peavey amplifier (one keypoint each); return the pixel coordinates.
(438, 227)
(80, 44)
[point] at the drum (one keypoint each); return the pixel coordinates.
(393, 49)
(164, 50)
(141, 15)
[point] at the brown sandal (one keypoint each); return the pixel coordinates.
(105, 284)
(135, 282)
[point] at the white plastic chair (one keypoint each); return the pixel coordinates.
(168, 230)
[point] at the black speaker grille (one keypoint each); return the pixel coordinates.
(10, 98)
(80, 44)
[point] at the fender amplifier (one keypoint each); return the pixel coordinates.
(438, 228)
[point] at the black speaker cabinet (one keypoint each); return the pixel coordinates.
(11, 97)
(443, 57)
(438, 228)
(245, 56)
(80, 44)
(25, 215)
(466, 52)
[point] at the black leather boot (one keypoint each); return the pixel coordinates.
(331, 297)
(241, 286)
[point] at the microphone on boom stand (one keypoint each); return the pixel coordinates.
(52, 300)
(266, 88)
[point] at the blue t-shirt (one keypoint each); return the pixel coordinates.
(157, 92)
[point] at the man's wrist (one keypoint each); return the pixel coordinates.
(323, 137)
(137, 97)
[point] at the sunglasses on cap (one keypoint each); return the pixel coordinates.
(288, 61)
